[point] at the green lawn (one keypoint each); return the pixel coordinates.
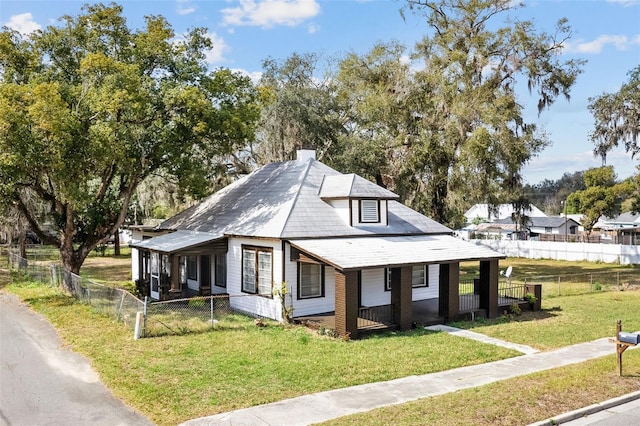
(566, 320)
(516, 401)
(175, 378)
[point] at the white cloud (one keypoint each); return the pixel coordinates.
(313, 28)
(620, 42)
(269, 13)
(255, 76)
(23, 23)
(216, 54)
(184, 7)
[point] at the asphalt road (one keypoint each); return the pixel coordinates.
(42, 383)
(621, 415)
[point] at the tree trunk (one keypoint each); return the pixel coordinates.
(116, 243)
(22, 243)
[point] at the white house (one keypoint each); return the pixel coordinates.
(560, 226)
(484, 213)
(339, 243)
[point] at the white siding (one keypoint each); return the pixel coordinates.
(317, 305)
(264, 306)
(342, 209)
(134, 264)
(373, 293)
(431, 292)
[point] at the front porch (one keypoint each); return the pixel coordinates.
(425, 313)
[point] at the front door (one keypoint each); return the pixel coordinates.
(155, 276)
(205, 275)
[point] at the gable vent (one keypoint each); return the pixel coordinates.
(369, 211)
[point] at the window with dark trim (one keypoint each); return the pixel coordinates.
(257, 270)
(420, 276)
(221, 270)
(192, 267)
(310, 280)
(387, 279)
(369, 211)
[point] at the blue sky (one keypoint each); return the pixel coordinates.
(605, 32)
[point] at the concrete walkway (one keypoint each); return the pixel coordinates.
(332, 404)
(527, 350)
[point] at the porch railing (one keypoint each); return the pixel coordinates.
(511, 292)
(470, 294)
(375, 316)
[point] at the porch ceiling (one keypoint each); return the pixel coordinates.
(376, 252)
(176, 241)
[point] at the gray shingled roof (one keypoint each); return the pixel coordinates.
(375, 252)
(175, 241)
(353, 186)
(553, 221)
(282, 200)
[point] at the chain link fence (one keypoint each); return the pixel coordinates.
(110, 301)
(172, 317)
(44, 273)
(183, 316)
(197, 314)
(576, 284)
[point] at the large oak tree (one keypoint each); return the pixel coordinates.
(89, 108)
(448, 129)
(617, 118)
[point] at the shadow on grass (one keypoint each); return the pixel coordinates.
(53, 300)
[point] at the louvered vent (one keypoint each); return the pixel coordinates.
(369, 212)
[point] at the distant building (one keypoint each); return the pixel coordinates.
(483, 213)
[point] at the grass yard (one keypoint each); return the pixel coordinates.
(175, 378)
(516, 401)
(543, 267)
(110, 270)
(565, 320)
(172, 379)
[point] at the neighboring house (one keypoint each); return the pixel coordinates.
(494, 231)
(542, 227)
(622, 229)
(483, 213)
(341, 244)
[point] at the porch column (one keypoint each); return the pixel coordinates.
(489, 287)
(449, 291)
(346, 316)
(401, 292)
(175, 271)
(141, 271)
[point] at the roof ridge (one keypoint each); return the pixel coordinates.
(353, 181)
(295, 198)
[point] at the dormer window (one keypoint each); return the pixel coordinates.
(369, 211)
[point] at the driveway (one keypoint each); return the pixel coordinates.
(42, 383)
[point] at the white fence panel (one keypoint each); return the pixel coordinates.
(607, 253)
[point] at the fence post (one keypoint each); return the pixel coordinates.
(558, 285)
(144, 317)
(211, 299)
(618, 279)
(120, 307)
(139, 321)
(590, 283)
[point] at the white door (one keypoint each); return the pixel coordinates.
(155, 276)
